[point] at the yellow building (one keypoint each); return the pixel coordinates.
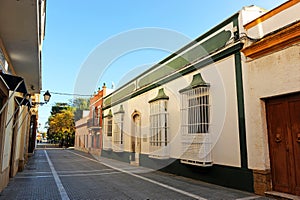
(22, 29)
(272, 98)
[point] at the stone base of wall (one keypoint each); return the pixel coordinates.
(4, 178)
(95, 152)
(15, 167)
(262, 181)
(21, 165)
(82, 149)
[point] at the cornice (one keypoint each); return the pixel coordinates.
(274, 42)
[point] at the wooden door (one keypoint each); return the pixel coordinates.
(283, 119)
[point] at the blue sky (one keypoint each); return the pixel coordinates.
(74, 29)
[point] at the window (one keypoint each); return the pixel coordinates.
(198, 110)
(108, 120)
(98, 141)
(118, 126)
(195, 122)
(159, 119)
(108, 131)
(109, 127)
(195, 108)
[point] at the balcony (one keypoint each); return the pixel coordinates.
(93, 124)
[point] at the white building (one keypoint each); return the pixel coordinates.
(200, 112)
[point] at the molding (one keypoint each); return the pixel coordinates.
(274, 42)
(81, 125)
(241, 110)
(191, 68)
(108, 100)
(270, 14)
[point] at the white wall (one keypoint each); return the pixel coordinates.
(224, 123)
(275, 22)
(272, 75)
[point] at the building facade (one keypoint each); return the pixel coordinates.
(22, 25)
(88, 135)
(82, 134)
(272, 98)
(186, 114)
(223, 109)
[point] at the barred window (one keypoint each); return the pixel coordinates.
(98, 141)
(118, 126)
(159, 120)
(195, 108)
(108, 124)
(109, 127)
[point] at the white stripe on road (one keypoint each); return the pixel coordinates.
(249, 198)
(145, 179)
(61, 189)
(24, 177)
(70, 175)
(94, 174)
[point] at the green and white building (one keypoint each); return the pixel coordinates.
(187, 114)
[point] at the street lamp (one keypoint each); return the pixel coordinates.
(47, 96)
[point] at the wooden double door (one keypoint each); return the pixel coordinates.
(283, 120)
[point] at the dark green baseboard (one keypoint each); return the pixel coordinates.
(233, 177)
(120, 156)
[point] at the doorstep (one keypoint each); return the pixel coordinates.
(280, 195)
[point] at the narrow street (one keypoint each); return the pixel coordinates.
(70, 174)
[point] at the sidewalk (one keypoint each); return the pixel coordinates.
(35, 182)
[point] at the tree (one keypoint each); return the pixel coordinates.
(62, 126)
(80, 104)
(58, 108)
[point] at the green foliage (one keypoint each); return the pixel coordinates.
(80, 104)
(62, 125)
(58, 108)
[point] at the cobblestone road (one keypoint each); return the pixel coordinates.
(70, 174)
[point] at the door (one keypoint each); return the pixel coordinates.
(283, 120)
(136, 142)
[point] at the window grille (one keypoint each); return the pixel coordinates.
(158, 123)
(159, 130)
(107, 137)
(195, 105)
(195, 122)
(109, 127)
(98, 141)
(119, 130)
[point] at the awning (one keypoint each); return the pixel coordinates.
(22, 101)
(12, 83)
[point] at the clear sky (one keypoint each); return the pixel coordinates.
(74, 29)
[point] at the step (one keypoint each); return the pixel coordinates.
(281, 195)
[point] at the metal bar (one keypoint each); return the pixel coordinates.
(23, 120)
(19, 116)
(6, 103)
(15, 111)
(4, 82)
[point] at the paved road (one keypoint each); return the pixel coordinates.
(70, 174)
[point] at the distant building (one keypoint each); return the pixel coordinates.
(208, 110)
(81, 134)
(22, 29)
(88, 135)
